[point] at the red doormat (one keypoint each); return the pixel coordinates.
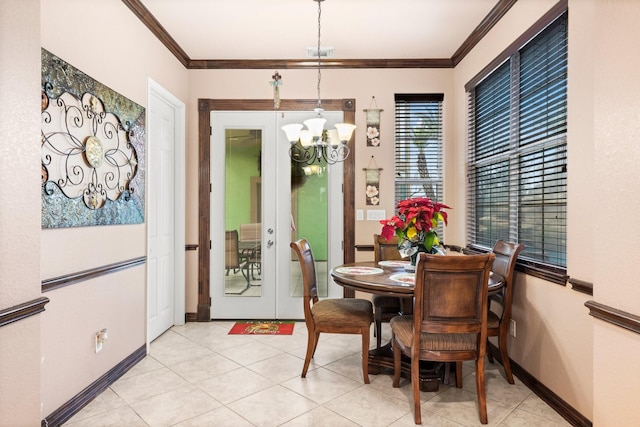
(263, 327)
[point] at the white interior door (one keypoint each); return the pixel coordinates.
(161, 218)
(165, 211)
(276, 291)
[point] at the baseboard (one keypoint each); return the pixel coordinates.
(80, 400)
(191, 317)
(567, 412)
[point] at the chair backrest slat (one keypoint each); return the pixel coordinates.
(385, 250)
(451, 293)
(251, 232)
(231, 257)
(506, 257)
(308, 269)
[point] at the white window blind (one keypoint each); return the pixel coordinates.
(418, 146)
(517, 156)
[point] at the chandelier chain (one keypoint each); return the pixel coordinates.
(319, 72)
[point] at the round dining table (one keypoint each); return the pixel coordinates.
(392, 278)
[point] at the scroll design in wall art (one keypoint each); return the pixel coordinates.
(86, 151)
(93, 150)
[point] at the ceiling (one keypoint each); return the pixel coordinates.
(198, 31)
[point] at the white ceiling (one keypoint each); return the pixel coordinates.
(282, 29)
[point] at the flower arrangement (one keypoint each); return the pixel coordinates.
(415, 225)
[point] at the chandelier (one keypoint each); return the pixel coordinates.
(314, 144)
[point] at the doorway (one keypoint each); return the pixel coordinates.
(260, 202)
(205, 107)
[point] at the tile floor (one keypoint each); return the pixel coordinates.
(198, 375)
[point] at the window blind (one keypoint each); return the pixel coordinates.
(517, 155)
(418, 146)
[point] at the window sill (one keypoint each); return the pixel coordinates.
(533, 268)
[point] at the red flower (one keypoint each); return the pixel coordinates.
(416, 221)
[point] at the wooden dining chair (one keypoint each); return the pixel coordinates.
(384, 306)
(231, 252)
(449, 321)
(331, 315)
(499, 318)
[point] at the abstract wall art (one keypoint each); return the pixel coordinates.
(92, 143)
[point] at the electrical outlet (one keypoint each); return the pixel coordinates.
(100, 339)
(512, 328)
(98, 343)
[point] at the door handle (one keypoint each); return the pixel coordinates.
(269, 243)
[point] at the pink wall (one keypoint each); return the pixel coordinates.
(19, 194)
(122, 56)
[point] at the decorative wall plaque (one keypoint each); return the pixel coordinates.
(372, 183)
(92, 151)
(373, 124)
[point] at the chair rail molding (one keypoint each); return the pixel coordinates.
(71, 278)
(22, 311)
(614, 316)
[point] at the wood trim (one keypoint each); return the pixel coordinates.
(70, 279)
(498, 11)
(530, 267)
(205, 106)
(138, 9)
(157, 29)
(557, 10)
(545, 272)
(581, 286)
(22, 311)
(80, 400)
(614, 316)
(190, 317)
(269, 64)
(191, 247)
(565, 410)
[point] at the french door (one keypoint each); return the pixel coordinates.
(260, 202)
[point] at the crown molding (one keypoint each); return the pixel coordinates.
(147, 18)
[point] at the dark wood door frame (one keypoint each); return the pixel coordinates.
(205, 107)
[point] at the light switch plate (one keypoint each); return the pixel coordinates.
(359, 214)
(375, 214)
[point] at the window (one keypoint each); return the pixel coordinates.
(517, 157)
(418, 146)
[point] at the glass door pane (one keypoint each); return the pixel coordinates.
(309, 213)
(243, 203)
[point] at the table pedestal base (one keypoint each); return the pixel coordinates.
(381, 361)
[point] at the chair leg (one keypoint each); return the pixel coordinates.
(311, 348)
(365, 354)
(415, 385)
(378, 326)
(458, 374)
(502, 343)
(481, 391)
(396, 362)
(489, 354)
(315, 345)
